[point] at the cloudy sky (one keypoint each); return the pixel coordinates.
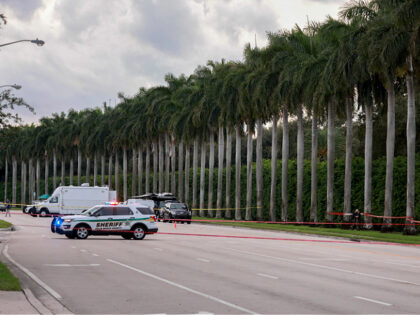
(97, 48)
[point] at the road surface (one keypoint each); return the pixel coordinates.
(174, 273)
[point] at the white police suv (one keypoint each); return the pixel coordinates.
(129, 221)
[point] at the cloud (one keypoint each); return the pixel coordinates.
(96, 48)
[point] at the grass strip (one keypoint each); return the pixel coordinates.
(393, 237)
(8, 282)
(4, 224)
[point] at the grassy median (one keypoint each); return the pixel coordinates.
(8, 282)
(4, 224)
(395, 237)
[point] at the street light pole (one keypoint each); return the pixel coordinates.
(37, 41)
(15, 86)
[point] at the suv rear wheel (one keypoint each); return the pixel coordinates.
(139, 232)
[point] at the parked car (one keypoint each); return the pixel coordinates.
(159, 201)
(176, 210)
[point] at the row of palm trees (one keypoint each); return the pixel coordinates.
(326, 70)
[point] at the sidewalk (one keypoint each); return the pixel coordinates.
(15, 302)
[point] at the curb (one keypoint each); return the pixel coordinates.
(35, 302)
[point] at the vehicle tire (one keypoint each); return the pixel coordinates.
(70, 235)
(139, 232)
(81, 231)
(127, 236)
(189, 222)
(43, 213)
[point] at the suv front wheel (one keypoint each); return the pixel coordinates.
(139, 232)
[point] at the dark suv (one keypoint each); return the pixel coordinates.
(159, 199)
(176, 210)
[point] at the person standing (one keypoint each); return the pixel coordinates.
(8, 208)
(356, 219)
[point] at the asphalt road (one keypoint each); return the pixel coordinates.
(174, 273)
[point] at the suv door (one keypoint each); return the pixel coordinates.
(103, 219)
(125, 216)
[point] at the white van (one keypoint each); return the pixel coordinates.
(73, 200)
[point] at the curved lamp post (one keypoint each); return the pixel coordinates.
(37, 41)
(15, 86)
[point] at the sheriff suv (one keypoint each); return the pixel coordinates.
(129, 221)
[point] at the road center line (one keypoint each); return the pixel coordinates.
(203, 260)
(373, 301)
(96, 255)
(324, 267)
(68, 265)
(180, 286)
(267, 276)
(158, 249)
(32, 276)
(83, 250)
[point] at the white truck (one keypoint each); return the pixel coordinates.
(72, 200)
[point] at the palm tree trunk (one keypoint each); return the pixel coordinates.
(167, 162)
(187, 174)
(140, 169)
(258, 170)
(273, 188)
(95, 169)
(368, 166)
(155, 166)
(249, 153)
(180, 170)
(110, 171)
(330, 162)
(102, 170)
(238, 213)
(211, 173)
(6, 176)
(23, 184)
(228, 213)
(314, 169)
(300, 150)
(38, 178)
(54, 170)
(79, 167)
(195, 168)
(220, 152)
(285, 165)
(63, 171)
(46, 175)
(173, 164)
(125, 173)
(202, 177)
(117, 173)
(160, 164)
(14, 179)
(409, 228)
(347, 171)
(147, 180)
(390, 146)
(134, 172)
(71, 171)
(88, 170)
(30, 171)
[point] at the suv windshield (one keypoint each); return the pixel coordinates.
(178, 206)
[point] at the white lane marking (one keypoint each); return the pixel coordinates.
(83, 250)
(267, 276)
(180, 286)
(373, 301)
(204, 312)
(203, 260)
(31, 275)
(96, 255)
(325, 259)
(68, 265)
(325, 267)
(158, 249)
(73, 247)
